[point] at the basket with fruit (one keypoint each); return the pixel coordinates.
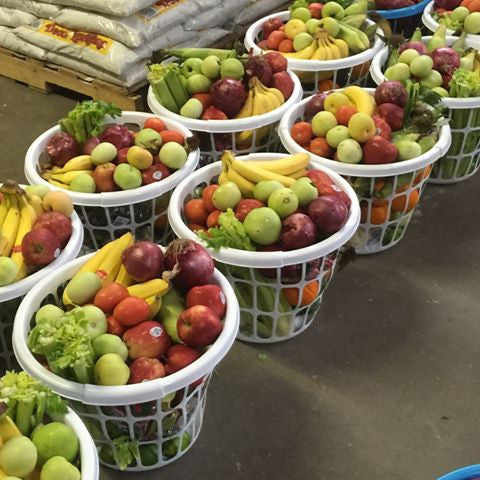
(118, 167)
(466, 473)
(324, 45)
(456, 15)
(39, 232)
(131, 344)
(449, 66)
(41, 438)
(403, 15)
(275, 229)
(230, 101)
(384, 141)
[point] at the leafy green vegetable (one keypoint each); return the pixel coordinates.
(66, 346)
(28, 401)
(87, 119)
(464, 84)
(125, 451)
(231, 233)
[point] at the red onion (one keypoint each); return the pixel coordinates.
(143, 261)
(418, 46)
(446, 60)
(89, 145)
(190, 263)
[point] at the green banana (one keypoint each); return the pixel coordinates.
(459, 44)
(356, 8)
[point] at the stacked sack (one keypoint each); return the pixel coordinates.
(113, 40)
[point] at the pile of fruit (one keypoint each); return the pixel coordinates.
(34, 443)
(122, 323)
(434, 64)
(458, 15)
(352, 126)
(35, 226)
(88, 155)
(319, 31)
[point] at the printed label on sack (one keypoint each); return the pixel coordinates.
(99, 43)
(147, 14)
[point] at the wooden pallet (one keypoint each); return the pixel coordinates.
(46, 76)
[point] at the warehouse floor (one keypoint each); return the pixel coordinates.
(383, 386)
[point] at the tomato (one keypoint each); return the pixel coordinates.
(107, 298)
(320, 147)
(244, 207)
(172, 136)
(155, 124)
(114, 327)
(212, 219)
(302, 133)
(344, 113)
(131, 311)
(196, 212)
(210, 296)
(207, 195)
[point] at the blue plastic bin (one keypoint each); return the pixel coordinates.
(465, 473)
(405, 20)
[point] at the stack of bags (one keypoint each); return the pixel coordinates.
(113, 39)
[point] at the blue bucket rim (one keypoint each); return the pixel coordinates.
(403, 12)
(464, 473)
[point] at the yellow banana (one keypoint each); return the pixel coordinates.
(336, 54)
(328, 52)
(275, 92)
(298, 174)
(247, 108)
(82, 162)
(94, 263)
(36, 202)
(151, 288)
(256, 174)
(57, 184)
(4, 206)
(304, 54)
(109, 268)
(360, 98)
(245, 186)
(10, 227)
(154, 302)
(320, 53)
(342, 46)
(286, 166)
(68, 177)
(123, 278)
(223, 178)
(25, 226)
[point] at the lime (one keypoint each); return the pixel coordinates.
(55, 439)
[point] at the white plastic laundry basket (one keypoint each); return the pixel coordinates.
(432, 24)
(463, 158)
(381, 189)
(353, 70)
(89, 466)
(11, 295)
(155, 416)
(219, 135)
(108, 215)
(259, 277)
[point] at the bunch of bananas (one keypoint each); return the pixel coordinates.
(247, 174)
(324, 47)
(360, 98)
(260, 100)
(62, 177)
(18, 213)
(107, 264)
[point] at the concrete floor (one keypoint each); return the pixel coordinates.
(383, 386)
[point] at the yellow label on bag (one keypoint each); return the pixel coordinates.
(147, 14)
(95, 42)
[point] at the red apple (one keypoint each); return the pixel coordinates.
(379, 150)
(270, 25)
(144, 369)
(283, 82)
(122, 155)
(213, 113)
(211, 296)
(143, 261)
(392, 114)
(383, 128)
(155, 173)
(205, 99)
(103, 176)
(277, 61)
(58, 223)
(198, 326)
(148, 339)
(40, 247)
(316, 9)
(179, 356)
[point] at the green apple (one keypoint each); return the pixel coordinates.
(302, 13)
(333, 9)
(198, 83)
(55, 439)
(399, 72)
(336, 135)
(211, 67)
(83, 183)
(407, 149)
(111, 370)
(193, 108)
(8, 271)
(421, 66)
(312, 25)
(305, 190)
(432, 80)
(361, 127)
(322, 122)
(349, 151)
(173, 155)
(301, 41)
(39, 190)
(232, 68)
(127, 176)
(191, 66)
(408, 55)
